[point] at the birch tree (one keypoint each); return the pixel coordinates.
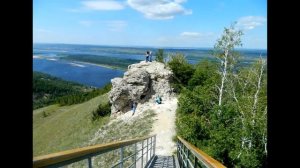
(224, 52)
(248, 90)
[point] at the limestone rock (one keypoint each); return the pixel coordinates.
(141, 82)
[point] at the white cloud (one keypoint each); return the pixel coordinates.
(188, 39)
(250, 22)
(116, 25)
(74, 10)
(86, 23)
(159, 9)
(196, 35)
(180, 1)
(110, 25)
(102, 5)
(190, 34)
(43, 30)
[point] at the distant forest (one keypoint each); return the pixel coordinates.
(49, 90)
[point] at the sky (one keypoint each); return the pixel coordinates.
(155, 23)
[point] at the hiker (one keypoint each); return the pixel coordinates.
(147, 55)
(133, 107)
(150, 56)
(158, 99)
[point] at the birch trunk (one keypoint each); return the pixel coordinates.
(224, 73)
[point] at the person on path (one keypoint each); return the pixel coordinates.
(133, 107)
(158, 99)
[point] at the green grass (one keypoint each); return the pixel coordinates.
(58, 128)
(61, 128)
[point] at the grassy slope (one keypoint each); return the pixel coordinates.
(65, 127)
(70, 127)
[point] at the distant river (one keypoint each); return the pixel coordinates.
(87, 74)
(47, 61)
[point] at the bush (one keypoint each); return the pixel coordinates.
(204, 70)
(102, 110)
(160, 56)
(182, 70)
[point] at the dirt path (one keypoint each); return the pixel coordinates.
(164, 127)
(164, 124)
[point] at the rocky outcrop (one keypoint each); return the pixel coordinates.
(141, 82)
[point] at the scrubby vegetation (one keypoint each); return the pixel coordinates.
(182, 70)
(159, 56)
(119, 130)
(222, 106)
(101, 111)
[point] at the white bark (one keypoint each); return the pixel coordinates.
(265, 144)
(224, 73)
(258, 87)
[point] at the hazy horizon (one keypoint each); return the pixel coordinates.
(141, 46)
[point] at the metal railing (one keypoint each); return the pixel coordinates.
(190, 156)
(140, 152)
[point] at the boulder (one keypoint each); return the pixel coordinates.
(140, 83)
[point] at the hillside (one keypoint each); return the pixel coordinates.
(46, 89)
(70, 127)
(59, 128)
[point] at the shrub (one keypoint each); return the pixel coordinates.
(102, 110)
(182, 70)
(160, 56)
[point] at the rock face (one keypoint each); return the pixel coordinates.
(141, 82)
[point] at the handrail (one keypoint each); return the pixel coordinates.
(199, 155)
(54, 158)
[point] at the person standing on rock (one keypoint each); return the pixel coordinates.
(147, 55)
(150, 56)
(133, 106)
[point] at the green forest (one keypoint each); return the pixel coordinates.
(222, 106)
(51, 90)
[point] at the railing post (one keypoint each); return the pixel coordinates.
(142, 152)
(135, 149)
(90, 162)
(178, 152)
(147, 150)
(154, 144)
(121, 157)
(151, 147)
(187, 157)
(196, 160)
(184, 155)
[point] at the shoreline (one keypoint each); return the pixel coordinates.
(82, 62)
(100, 65)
